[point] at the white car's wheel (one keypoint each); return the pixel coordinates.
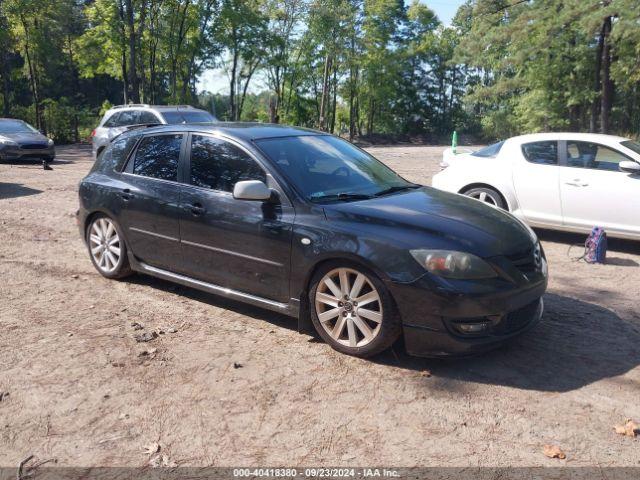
(488, 196)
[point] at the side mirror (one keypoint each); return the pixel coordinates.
(629, 166)
(251, 190)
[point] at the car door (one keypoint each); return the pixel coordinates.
(238, 244)
(536, 182)
(151, 200)
(595, 192)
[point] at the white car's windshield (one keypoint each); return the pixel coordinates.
(631, 145)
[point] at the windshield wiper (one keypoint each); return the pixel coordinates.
(397, 188)
(344, 196)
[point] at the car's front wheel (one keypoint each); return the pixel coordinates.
(487, 195)
(107, 249)
(352, 310)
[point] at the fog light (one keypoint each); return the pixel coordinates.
(470, 328)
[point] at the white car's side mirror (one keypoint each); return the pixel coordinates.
(629, 166)
(251, 190)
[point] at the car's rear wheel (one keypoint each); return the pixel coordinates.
(107, 249)
(352, 310)
(488, 196)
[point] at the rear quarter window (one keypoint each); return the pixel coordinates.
(112, 121)
(489, 152)
(114, 157)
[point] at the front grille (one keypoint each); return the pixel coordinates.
(528, 261)
(517, 319)
(33, 146)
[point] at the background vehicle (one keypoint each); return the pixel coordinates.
(564, 181)
(122, 117)
(20, 141)
(302, 222)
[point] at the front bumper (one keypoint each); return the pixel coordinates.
(10, 152)
(430, 314)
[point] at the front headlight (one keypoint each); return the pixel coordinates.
(6, 141)
(50, 142)
(451, 264)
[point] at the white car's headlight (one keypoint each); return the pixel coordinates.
(455, 265)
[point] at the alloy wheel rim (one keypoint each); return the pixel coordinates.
(349, 307)
(485, 197)
(104, 244)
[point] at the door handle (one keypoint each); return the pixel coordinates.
(577, 183)
(127, 195)
(196, 209)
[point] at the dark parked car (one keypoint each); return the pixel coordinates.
(20, 141)
(307, 224)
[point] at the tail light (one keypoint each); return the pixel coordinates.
(93, 133)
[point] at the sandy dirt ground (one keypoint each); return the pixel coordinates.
(75, 386)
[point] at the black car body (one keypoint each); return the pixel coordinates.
(20, 141)
(270, 252)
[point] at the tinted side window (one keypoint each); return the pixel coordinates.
(120, 150)
(158, 157)
(219, 165)
(185, 116)
(147, 117)
(113, 120)
(543, 153)
(592, 155)
(129, 117)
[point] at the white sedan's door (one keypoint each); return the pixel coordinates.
(536, 182)
(595, 193)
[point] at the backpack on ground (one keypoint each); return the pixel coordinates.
(595, 248)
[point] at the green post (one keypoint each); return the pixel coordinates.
(454, 142)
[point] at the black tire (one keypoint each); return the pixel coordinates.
(390, 326)
(121, 268)
(487, 195)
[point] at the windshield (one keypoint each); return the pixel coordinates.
(186, 116)
(326, 168)
(16, 126)
(631, 145)
(490, 151)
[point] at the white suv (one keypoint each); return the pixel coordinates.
(123, 117)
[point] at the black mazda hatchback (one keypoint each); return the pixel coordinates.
(304, 223)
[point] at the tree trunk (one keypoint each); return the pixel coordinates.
(4, 65)
(252, 69)
(334, 102)
(324, 102)
(123, 59)
(232, 85)
(134, 87)
(33, 82)
(6, 85)
(607, 83)
(593, 123)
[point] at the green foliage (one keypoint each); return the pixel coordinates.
(354, 67)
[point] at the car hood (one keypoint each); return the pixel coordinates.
(430, 218)
(25, 137)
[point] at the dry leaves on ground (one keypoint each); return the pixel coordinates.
(553, 451)
(151, 448)
(630, 428)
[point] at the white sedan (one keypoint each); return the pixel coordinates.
(562, 181)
